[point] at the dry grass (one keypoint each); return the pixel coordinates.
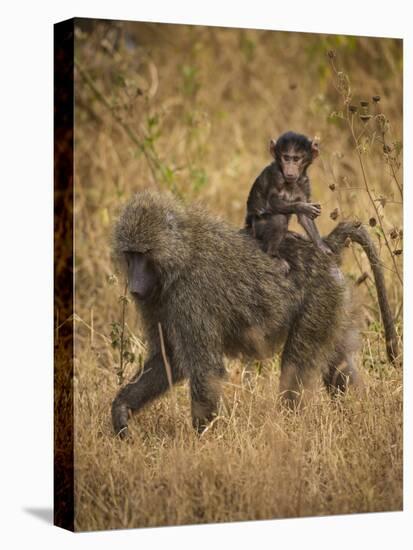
(257, 461)
(192, 109)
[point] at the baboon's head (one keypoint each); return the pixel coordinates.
(150, 242)
(294, 153)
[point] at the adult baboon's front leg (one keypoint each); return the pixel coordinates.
(151, 383)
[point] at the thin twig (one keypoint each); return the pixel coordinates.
(350, 123)
(164, 357)
(91, 327)
(371, 197)
(131, 134)
(392, 167)
(399, 311)
(122, 334)
(57, 326)
(167, 367)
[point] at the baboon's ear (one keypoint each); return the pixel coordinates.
(273, 143)
(315, 148)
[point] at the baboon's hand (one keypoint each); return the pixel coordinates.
(120, 419)
(312, 210)
(123, 433)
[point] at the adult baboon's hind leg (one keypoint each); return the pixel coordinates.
(296, 380)
(305, 351)
(341, 374)
(297, 371)
(148, 385)
(205, 395)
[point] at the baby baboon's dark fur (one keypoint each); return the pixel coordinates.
(215, 293)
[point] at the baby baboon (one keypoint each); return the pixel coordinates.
(215, 293)
(282, 189)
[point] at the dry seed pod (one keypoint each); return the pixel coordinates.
(334, 214)
(372, 222)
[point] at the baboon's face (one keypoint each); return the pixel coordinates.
(293, 161)
(151, 245)
(141, 274)
(293, 153)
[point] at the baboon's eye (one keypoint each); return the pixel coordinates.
(296, 158)
(286, 158)
(130, 254)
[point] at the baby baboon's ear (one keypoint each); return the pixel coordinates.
(315, 148)
(273, 143)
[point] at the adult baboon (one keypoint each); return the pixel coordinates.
(215, 293)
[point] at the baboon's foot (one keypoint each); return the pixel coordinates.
(342, 377)
(291, 400)
(325, 248)
(296, 385)
(282, 265)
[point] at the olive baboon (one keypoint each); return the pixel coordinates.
(216, 293)
(282, 189)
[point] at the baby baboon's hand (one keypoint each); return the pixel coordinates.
(312, 210)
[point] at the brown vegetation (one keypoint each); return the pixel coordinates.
(192, 109)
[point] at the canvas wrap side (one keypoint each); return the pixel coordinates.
(63, 274)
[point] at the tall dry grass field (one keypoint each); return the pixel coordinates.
(191, 109)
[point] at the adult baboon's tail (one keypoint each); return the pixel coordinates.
(354, 231)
